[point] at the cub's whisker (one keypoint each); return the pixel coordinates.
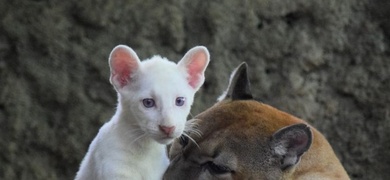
(192, 116)
(138, 138)
(191, 127)
(190, 138)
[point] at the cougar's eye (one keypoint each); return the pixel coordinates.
(148, 102)
(180, 101)
(216, 169)
(183, 140)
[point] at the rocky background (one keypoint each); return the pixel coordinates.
(324, 61)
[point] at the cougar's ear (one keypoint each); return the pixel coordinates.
(123, 62)
(290, 143)
(239, 86)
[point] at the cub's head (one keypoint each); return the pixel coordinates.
(155, 95)
(239, 138)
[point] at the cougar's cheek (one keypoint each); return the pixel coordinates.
(182, 168)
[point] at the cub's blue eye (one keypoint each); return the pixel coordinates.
(148, 102)
(180, 101)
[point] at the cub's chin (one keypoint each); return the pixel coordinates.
(164, 140)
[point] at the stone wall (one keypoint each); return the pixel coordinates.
(324, 61)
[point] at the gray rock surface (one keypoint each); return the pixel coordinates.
(324, 61)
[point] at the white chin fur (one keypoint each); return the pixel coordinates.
(165, 141)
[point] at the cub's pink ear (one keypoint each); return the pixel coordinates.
(195, 62)
(123, 62)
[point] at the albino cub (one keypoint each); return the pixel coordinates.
(154, 100)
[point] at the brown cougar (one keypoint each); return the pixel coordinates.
(241, 138)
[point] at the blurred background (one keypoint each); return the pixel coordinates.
(324, 61)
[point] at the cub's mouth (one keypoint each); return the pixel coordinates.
(165, 140)
(164, 136)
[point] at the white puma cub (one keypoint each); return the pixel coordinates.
(154, 100)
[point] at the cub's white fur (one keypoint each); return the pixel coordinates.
(150, 114)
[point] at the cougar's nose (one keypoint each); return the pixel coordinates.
(166, 130)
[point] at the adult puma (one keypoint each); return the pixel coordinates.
(240, 138)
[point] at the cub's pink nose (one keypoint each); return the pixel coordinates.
(167, 130)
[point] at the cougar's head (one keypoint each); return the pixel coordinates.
(239, 138)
